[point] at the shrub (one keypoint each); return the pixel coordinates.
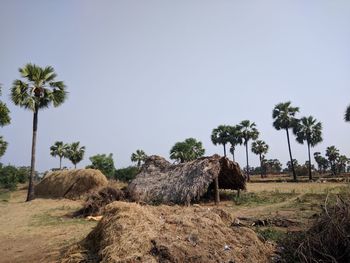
(126, 174)
(8, 177)
(104, 163)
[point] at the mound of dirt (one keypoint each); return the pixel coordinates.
(71, 184)
(95, 202)
(130, 232)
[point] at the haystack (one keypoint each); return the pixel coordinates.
(162, 182)
(70, 184)
(130, 232)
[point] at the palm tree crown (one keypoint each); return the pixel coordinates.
(347, 114)
(3, 146)
(235, 138)
(75, 153)
(59, 149)
(260, 147)
(309, 130)
(4, 113)
(221, 135)
(138, 157)
(186, 151)
(284, 116)
(248, 131)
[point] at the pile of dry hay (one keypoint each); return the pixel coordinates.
(162, 182)
(70, 184)
(130, 232)
(96, 201)
(328, 239)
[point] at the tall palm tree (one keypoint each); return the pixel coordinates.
(186, 151)
(284, 118)
(38, 89)
(248, 132)
(75, 153)
(3, 146)
(260, 148)
(332, 154)
(221, 135)
(59, 149)
(138, 157)
(234, 139)
(310, 131)
(347, 114)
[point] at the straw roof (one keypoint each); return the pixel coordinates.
(162, 182)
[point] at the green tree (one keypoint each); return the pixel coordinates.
(341, 163)
(321, 161)
(186, 151)
(260, 148)
(75, 153)
(332, 154)
(38, 89)
(3, 146)
(138, 157)
(59, 149)
(248, 132)
(104, 163)
(347, 114)
(293, 165)
(235, 138)
(310, 131)
(221, 135)
(284, 119)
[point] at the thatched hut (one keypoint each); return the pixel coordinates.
(162, 182)
(71, 184)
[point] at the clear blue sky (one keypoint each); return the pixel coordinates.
(146, 74)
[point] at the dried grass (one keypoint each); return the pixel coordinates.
(71, 184)
(161, 182)
(130, 232)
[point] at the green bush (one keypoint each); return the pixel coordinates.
(104, 163)
(8, 177)
(126, 174)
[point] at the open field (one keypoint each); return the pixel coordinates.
(38, 231)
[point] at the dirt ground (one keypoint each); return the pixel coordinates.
(39, 231)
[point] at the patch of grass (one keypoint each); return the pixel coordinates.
(271, 234)
(262, 198)
(5, 195)
(46, 219)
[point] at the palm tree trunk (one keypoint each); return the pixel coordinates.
(290, 155)
(261, 168)
(233, 155)
(224, 149)
(246, 153)
(75, 166)
(30, 195)
(60, 162)
(310, 174)
(216, 191)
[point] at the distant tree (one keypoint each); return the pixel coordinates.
(347, 114)
(341, 163)
(291, 165)
(333, 154)
(75, 153)
(3, 146)
(248, 132)
(126, 174)
(186, 151)
(273, 166)
(104, 163)
(284, 118)
(138, 157)
(321, 161)
(235, 138)
(38, 91)
(59, 149)
(221, 135)
(310, 131)
(260, 148)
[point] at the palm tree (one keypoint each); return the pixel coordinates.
(75, 153)
(342, 162)
(4, 113)
(59, 149)
(310, 131)
(235, 139)
(347, 114)
(3, 146)
(248, 132)
(221, 135)
(138, 157)
(186, 151)
(260, 148)
(38, 90)
(333, 154)
(284, 118)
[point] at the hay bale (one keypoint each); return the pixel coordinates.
(130, 232)
(162, 182)
(71, 184)
(95, 202)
